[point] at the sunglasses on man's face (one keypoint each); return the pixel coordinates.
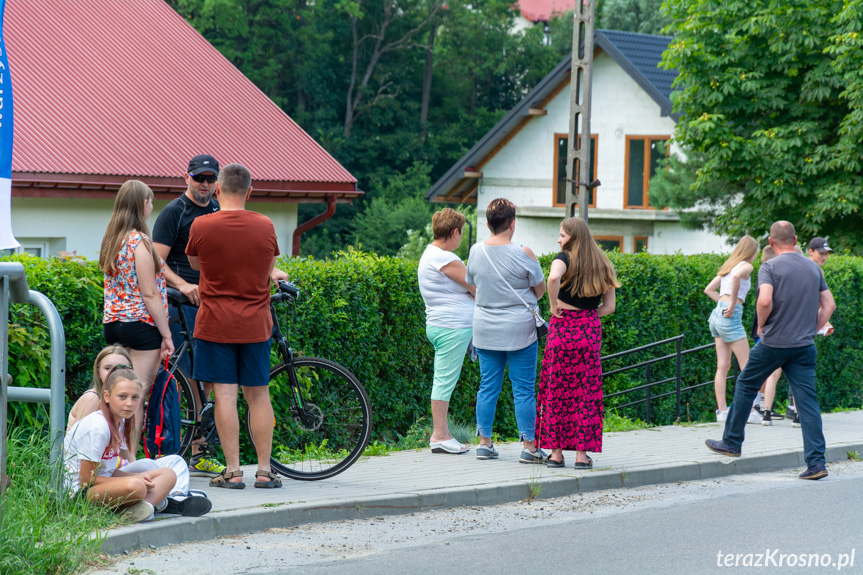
(201, 178)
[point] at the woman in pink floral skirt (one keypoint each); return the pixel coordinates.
(581, 286)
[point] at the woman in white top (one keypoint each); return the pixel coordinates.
(449, 319)
(728, 289)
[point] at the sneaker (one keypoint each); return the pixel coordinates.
(202, 466)
(776, 416)
(539, 456)
(199, 492)
(795, 421)
(721, 415)
(188, 505)
(757, 407)
(790, 413)
(486, 452)
(161, 506)
(139, 512)
(814, 472)
(754, 417)
(722, 448)
(766, 419)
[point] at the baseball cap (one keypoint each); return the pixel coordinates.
(203, 163)
(820, 245)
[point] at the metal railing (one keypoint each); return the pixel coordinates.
(13, 289)
(647, 365)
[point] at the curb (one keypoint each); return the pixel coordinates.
(251, 520)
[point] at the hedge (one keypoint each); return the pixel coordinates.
(365, 311)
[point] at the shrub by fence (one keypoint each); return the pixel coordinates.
(365, 311)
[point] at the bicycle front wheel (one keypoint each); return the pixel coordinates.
(326, 429)
(188, 411)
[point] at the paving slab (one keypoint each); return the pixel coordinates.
(410, 481)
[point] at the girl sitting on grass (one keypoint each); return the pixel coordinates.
(108, 359)
(96, 449)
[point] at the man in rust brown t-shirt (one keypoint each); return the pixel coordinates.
(235, 250)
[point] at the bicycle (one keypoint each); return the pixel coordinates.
(327, 417)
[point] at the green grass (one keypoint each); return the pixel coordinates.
(612, 421)
(43, 530)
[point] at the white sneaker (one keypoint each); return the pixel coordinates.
(139, 512)
(721, 415)
(754, 417)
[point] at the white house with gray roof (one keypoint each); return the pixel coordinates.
(523, 157)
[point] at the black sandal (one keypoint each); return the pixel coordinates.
(221, 480)
(273, 483)
(555, 464)
(583, 465)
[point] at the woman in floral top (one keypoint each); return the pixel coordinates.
(136, 307)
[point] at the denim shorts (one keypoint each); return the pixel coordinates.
(728, 328)
(245, 363)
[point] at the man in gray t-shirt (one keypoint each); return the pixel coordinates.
(793, 304)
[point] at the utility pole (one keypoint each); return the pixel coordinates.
(578, 149)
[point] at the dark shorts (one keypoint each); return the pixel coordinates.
(135, 335)
(245, 363)
(191, 313)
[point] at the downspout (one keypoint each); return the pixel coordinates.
(331, 209)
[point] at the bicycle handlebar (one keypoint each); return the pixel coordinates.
(287, 292)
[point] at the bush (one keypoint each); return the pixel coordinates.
(365, 311)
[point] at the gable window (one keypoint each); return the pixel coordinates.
(608, 243)
(642, 157)
(561, 148)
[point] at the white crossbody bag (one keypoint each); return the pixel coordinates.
(541, 324)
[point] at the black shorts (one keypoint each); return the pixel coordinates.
(135, 335)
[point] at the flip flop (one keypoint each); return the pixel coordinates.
(451, 446)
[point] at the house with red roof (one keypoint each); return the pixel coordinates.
(110, 91)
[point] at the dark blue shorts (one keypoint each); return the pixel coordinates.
(245, 363)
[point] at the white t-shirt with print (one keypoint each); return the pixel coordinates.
(448, 304)
(88, 440)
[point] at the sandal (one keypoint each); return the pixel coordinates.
(222, 480)
(273, 483)
(583, 465)
(555, 464)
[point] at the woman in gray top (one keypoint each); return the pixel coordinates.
(504, 331)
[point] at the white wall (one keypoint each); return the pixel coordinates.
(77, 225)
(523, 170)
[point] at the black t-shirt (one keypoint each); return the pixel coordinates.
(566, 297)
(172, 229)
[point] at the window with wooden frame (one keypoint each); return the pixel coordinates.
(608, 243)
(642, 157)
(639, 244)
(561, 148)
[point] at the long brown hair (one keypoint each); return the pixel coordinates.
(745, 250)
(110, 350)
(128, 215)
(121, 374)
(589, 273)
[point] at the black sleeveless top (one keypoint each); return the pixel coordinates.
(566, 297)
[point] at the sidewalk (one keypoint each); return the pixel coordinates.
(406, 482)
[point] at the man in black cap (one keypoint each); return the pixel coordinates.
(170, 237)
(819, 249)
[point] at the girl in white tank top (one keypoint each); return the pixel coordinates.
(728, 289)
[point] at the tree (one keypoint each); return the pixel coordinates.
(770, 97)
(642, 16)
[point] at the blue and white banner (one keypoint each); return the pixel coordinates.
(7, 238)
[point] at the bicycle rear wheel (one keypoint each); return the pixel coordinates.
(335, 427)
(188, 413)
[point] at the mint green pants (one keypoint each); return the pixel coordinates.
(450, 346)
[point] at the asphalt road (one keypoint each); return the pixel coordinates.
(771, 522)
